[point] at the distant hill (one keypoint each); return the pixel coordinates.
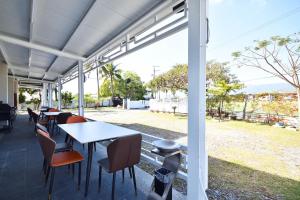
(275, 87)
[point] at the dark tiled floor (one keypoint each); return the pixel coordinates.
(21, 176)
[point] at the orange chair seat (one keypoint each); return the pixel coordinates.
(66, 158)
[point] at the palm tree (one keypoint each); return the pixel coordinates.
(110, 71)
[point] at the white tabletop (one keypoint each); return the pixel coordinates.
(95, 131)
(52, 113)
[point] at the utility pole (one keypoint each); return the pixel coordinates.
(154, 71)
(154, 75)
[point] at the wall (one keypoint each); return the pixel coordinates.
(3, 83)
(166, 105)
(10, 89)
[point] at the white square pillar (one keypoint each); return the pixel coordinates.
(44, 95)
(3, 83)
(59, 93)
(80, 89)
(50, 95)
(10, 91)
(16, 93)
(197, 153)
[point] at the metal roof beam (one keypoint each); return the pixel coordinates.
(78, 24)
(24, 78)
(31, 23)
(44, 48)
(32, 69)
(5, 56)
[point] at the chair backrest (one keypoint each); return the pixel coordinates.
(41, 127)
(124, 152)
(75, 119)
(53, 110)
(35, 117)
(62, 117)
(47, 145)
(29, 110)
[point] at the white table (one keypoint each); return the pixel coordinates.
(52, 113)
(91, 132)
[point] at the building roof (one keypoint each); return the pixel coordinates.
(42, 39)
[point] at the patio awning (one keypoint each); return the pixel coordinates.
(44, 40)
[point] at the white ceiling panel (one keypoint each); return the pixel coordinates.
(16, 55)
(14, 17)
(76, 26)
(41, 59)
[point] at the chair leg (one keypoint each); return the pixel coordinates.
(130, 172)
(95, 146)
(134, 180)
(73, 169)
(66, 138)
(100, 174)
(123, 174)
(44, 166)
(47, 174)
(79, 175)
(113, 186)
(51, 183)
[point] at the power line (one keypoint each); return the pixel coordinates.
(272, 21)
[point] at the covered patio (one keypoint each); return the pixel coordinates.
(21, 175)
(45, 44)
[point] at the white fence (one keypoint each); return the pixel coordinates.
(137, 104)
(168, 105)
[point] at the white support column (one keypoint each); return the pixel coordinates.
(80, 89)
(10, 91)
(50, 95)
(3, 83)
(16, 93)
(197, 153)
(44, 95)
(59, 93)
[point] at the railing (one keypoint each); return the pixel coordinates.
(156, 159)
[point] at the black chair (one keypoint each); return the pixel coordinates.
(7, 114)
(62, 119)
(29, 110)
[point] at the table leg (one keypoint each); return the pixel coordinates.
(88, 167)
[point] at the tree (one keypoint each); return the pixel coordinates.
(31, 92)
(89, 99)
(220, 84)
(177, 78)
(173, 80)
(278, 56)
(216, 71)
(110, 72)
(131, 86)
(66, 98)
(221, 90)
(133, 89)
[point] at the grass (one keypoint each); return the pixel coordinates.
(281, 136)
(246, 160)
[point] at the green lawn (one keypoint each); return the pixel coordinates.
(246, 160)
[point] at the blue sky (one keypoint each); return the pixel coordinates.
(234, 24)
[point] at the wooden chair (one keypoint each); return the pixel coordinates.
(36, 120)
(71, 120)
(122, 153)
(60, 147)
(59, 159)
(62, 119)
(29, 110)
